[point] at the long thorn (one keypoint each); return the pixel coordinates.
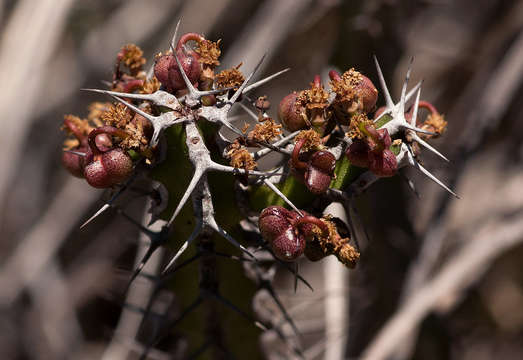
(135, 109)
(175, 35)
(282, 195)
(111, 200)
(223, 168)
(182, 249)
(386, 94)
(426, 145)
(416, 129)
(260, 153)
(409, 95)
(415, 109)
(79, 153)
(150, 251)
(190, 87)
(427, 173)
(248, 111)
(263, 81)
(229, 238)
(190, 188)
(122, 94)
(436, 180)
(242, 87)
(401, 105)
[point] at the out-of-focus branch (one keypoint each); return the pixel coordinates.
(24, 54)
(56, 313)
(265, 32)
(460, 272)
(138, 296)
(498, 94)
(41, 244)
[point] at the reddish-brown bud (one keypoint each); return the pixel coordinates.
(319, 173)
(383, 163)
(107, 168)
(276, 227)
(368, 93)
(190, 65)
(166, 68)
(161, 68)
(358, 153)
(291, 113)
(74, 163)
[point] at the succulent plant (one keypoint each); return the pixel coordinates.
(172, 135)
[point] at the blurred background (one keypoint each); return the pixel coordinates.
(439, 277)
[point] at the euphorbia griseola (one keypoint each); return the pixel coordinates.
(169, 125)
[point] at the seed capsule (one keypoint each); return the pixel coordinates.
(276, 227)
(107, 168)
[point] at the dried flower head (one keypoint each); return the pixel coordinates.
(230, 78)
(209, 52)
(265, 131)
(96, 109)
(336, 245)
(357, 125)
(150, 86)
(118, 115)
(345, 86)
(314, 98)
(312, 140)
(132, 57)
(239, 157)
(435, 123)
(81, 126)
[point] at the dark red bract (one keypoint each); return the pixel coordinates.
(106, 168)
(289, 113)
(166, 68)
(276, 227)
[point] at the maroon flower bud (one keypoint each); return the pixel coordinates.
(143, 123)
(383, 138)
(358, 153)
(288, 232)
(313, 251)
(355, 93)
(161, 68)
(368, 93)
(74, 163)
(166, 69)
(291, 113)
(383, 163)
(319, 173)
(373, 152)
(103, 142)
(104, 169)
(314, 169)
(276, 227)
